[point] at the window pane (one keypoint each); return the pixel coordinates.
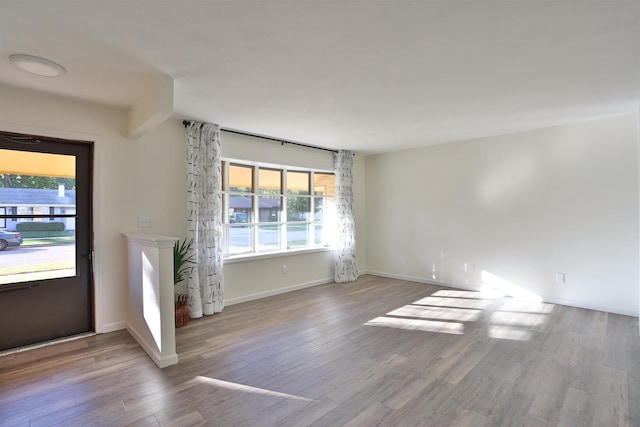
(269, 209)
(241, 178)
(298, 182)
(324, 234)
(318, 234)
(240, 239)
(323, 208)
(240, 209)
(269, 237)
(39, 249)
(256, 214)
(43, 247)
(324, 184)
(297, 235)
(298, 208)
(270, 181)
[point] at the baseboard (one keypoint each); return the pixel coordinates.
(112, 327)
(278, 291)
(571, 303)
(421, 280)
(550, 300)
(161, 361)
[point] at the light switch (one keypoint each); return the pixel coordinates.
(144, 221)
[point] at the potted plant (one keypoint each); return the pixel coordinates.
(181, 265)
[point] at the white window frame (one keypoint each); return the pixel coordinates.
(283, 223)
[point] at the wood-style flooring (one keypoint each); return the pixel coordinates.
(374, 352)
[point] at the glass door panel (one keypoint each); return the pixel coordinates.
(37, 237)
(46, 281)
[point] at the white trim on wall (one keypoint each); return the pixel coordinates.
(112, 327)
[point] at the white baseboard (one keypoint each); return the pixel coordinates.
(278, 291)
(161, 361)
(421, 280)
(571, 303)
(550, 300)
(112, 327)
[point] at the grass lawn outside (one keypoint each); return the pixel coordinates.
(34, 268)
(39, 275)
(40, 241)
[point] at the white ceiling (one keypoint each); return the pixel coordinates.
(371, 76)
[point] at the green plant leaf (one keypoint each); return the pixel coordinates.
(182, 260)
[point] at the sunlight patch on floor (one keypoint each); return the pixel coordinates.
(453, 302)
(506, 311)
(246, 388)
(464, 294)
(527, 307)
(441, 313)
(517, 319)
(509, 333)
(418, 325)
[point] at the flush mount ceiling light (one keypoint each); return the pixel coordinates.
(36, 65)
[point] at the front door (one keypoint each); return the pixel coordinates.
(46, 283)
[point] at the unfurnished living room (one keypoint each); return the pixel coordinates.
(319, 213)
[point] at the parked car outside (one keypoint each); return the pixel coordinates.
(9, 238)
(238, 217)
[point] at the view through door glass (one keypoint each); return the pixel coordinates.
(39, 241)
(45, 239)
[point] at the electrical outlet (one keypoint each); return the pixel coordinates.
(469, 268)
(560, 278)
(284, 268)
(144, 221)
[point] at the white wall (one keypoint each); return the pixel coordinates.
(520, 207)
(32, 112)
(250, 279)
(242, 147)
(132, 177)
(253, 279)
(148, 177)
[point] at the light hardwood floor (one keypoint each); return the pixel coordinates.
(374, 352)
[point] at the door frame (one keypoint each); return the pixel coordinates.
(98, 236)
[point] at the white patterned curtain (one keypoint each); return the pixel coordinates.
(204, 204)
(345, 253)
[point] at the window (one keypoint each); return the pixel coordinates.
(270, 209)
(24, 210)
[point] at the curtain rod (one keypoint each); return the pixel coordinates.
(281, 141)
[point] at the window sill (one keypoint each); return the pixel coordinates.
(255, 257)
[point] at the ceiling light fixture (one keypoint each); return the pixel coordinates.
(36, 65)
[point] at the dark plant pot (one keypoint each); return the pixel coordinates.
(182, 310)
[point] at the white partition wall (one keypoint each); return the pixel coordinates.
(150, 317)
